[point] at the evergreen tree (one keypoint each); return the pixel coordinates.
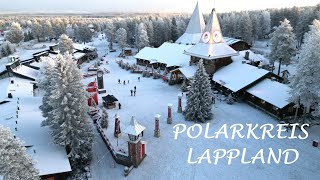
(83, 33)
(283, 44)
(104, 119)
(45, 83)
(199, 100)
(305, 84)
(305, 19)
(65, 44)
(142, 39)
(68, 120)
(37, 30)
(110, 32)
(121, 37)
(14, 162)
(265, 23)
(246, 28)
(15, 34)
(174, 29)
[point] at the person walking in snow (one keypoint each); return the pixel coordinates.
(131, 92)
(124, 82)
(139, 79)
(119, 81)
(128, 81)
(135, 88)
(134, 92)
(119, 105)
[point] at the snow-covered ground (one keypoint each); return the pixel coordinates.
(167, 157)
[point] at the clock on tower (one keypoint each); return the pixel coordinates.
(100, 79)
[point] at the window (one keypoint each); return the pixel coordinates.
(290, 109)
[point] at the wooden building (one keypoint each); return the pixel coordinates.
(212, 47)
(109, 101)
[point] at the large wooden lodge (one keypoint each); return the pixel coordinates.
(233, 68)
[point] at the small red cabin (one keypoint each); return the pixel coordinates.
(93, 92)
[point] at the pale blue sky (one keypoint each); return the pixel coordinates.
(145, 5)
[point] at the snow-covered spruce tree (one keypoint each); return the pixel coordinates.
(14, 162)
(104, 119)
(69, 124)
(265, 23)
(45, 83)
(110, 32)
(83, 33)
(305, 84)
(283, 44)
(121, 37)
(142, 39)
(15, 34)
(199, 106)
(65, 44)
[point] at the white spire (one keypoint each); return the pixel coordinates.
(194, 29)
(196, 23)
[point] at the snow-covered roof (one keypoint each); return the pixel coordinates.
(134, 128)
(50, 158)
(272, 92)
(20, 88)
(187, 71)
(170, 54)
(194, 29)
(237, 76)
(188, 38)
(211, 51)
(26, 71)
(231, 41)
(78, 55)
(81, 47)
(212, 45)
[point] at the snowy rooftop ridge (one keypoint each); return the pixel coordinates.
(272, 92)
(134, 128)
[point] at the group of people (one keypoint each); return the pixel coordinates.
(133, 91)
(124, 82)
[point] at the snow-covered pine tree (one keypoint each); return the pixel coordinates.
(69, 124)
(283, 44)
(83, 33)
(65, 44)
(142, 39)
(110, 32)
(37, 30)
(265, 23)
(121, 37)
(45, 83)
(199, 106)
(14, 161)
(305, 84)
(104, 119)
(15, 34)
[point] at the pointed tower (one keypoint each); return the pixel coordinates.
(212, 48)
(194, 29)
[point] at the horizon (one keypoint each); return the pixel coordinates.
(143, 6)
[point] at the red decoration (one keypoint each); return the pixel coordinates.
(93, 92)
